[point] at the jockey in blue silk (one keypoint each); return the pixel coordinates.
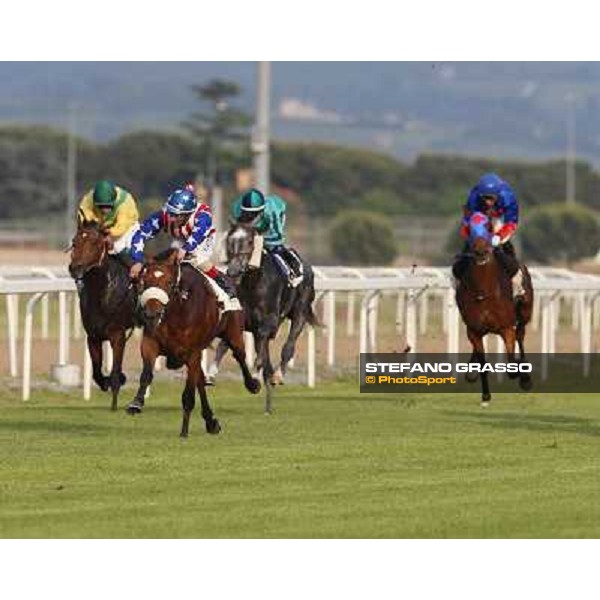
(494, 198)
(190, 225)
(267, 214)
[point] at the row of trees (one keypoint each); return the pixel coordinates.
(327, 181)
(327, 178)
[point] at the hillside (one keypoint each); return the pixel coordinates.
(405, 109)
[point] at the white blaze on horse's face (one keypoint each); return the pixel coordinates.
(239, 235)
(153, 292)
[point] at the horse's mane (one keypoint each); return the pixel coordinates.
(90, 225)
(163, 255)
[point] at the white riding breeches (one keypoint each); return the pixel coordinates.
(201, 257)
(124, 242)
(256, 256)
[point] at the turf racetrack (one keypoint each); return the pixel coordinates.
(328, 463)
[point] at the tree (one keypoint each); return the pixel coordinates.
(222, 126)
(362, 238)
(559, 232)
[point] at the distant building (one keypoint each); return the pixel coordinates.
(295, 109)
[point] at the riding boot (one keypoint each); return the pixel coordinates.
(518, 284)
(282, 256)
(508, 259)
(232, 303)
(295, 264)
(226, 284)
(461, 263)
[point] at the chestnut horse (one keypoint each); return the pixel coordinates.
(107, 300)
(181, 318)
(484, 296)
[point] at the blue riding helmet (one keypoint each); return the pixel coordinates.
(181, 202)
(489, 185)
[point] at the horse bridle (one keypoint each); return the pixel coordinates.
(88, 268)
(172, 289)
(244, 268)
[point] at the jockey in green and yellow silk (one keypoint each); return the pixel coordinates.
(115, 210)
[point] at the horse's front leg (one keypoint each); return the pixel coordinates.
(117, 378)
(188, 398)
(509, 336)
(212, 425)
(95, 348)
(264, 361)
(289, 348)
(233, 338)
(213, 368)
(150, 351)
(476, 340)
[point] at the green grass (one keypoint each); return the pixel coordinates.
(328, 463)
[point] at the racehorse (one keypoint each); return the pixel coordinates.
(181, 317)
(267, 300)
(484, 296)
(107, 301)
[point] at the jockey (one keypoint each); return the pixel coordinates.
(115, 210)
(267, 215)
(190, 225)
(493, 197)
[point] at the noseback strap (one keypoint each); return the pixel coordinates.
(154, 293)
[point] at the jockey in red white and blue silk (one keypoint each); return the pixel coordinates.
(183, 218)
(493, 197)
(190, 225)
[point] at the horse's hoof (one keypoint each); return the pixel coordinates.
(276, 378)
(210, 381)
(213, 427)
(183, 436)
(113, 408)
(526, 383)
(134, 408)
(471, 377)
(103, 384)
(253, 386)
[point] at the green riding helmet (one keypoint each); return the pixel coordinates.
(253, 203)
(105, 193)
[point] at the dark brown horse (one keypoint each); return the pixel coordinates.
(484, 296)
(107, 301)
(181, 318)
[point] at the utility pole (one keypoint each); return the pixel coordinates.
(261, 131)
(570, 156)
(71, 175)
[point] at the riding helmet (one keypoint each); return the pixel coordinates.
(253, 201)
(181, 202)
(489, 185)
(105, 193)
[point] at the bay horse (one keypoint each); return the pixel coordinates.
(181, 318)
(484, 296)
(107, 300)
(267, 300)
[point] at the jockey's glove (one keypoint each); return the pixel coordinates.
(496, 241)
